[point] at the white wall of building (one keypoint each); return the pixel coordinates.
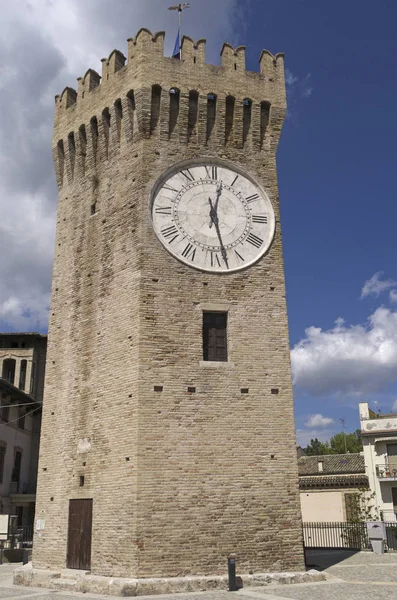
(323, 506)
(378, 433)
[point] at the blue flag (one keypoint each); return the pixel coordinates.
(177, 48)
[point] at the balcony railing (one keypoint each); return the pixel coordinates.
(386, 471)
(389, 515)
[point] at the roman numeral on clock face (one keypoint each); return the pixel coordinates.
(239, 257)
(189, 252)
(252, 198)
(163, 210)
(234, 181)
(254, 240)
(170, 233)
(188, 174)
(215, 262)
(169, 187)
(212, 172)
(259, 218)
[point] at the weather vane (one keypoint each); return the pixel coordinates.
(177, 53)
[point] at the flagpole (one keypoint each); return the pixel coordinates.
(180, 8)
(180, 30)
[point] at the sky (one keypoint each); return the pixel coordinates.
(336, 167)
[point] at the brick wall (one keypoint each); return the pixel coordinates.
(178, 479)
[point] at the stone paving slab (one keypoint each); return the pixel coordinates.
(332, 591)
(382, 573)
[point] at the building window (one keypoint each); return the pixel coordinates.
(3, 448)
(16, 471)
(19, 516)
(215, 336)
(22, 374)
(392, 457)
(9, 370)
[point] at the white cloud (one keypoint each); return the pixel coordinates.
(394, 407)
(393, 296)
(44, 47)
(375, 286)
(349, 360)
(290, 78)
(298, 88)
(318, 420)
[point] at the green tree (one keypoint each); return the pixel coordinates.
(317, 448)
(346, 442)
(339, 444)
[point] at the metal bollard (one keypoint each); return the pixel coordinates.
(231, 569)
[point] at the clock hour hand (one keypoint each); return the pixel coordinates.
(213, 213)
(218, 195)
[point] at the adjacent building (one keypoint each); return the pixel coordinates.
(379, 435)
(329, 486)
(22, 366)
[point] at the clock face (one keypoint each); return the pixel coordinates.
(212, 217)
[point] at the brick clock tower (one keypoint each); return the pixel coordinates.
(168, 430)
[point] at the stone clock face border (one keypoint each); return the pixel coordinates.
(208, 160)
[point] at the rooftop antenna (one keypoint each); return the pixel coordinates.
(180, 8)
(344, 433)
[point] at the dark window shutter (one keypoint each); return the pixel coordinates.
(215, 336)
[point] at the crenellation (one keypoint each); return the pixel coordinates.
(146, 44)
(199, 52)
(68, 97)
(91, 80)
(233, 59)
(115, 62)
(209, 108)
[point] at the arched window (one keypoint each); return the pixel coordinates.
(265, 116)
(155, 108)
(83, 145)
(72, 150)
(174, 109)
(106, 128)
(229, 117)
(118, 110)
(131, 111)
(211, 114)
(61, 159)
(94, 134)
(247, 112)
(9, 370)
(192, 114)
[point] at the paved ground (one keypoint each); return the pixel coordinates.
(361, 576)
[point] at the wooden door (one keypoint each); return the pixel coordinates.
(79, 534)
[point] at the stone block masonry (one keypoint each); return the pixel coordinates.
(178, 478)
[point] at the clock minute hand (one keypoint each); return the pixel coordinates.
(223, 250)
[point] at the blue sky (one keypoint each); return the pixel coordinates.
(336, 165)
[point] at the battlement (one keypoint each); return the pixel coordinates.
(146, 94)
(148, 47)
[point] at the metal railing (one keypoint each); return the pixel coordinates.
(20, 537)
(352, 536)
(344, 535)
(386, 471)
